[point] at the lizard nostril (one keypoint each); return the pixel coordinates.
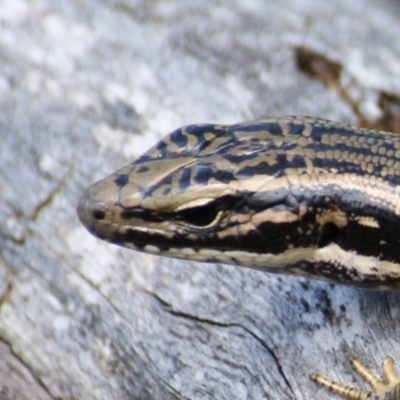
(99, 215)
(90, 211)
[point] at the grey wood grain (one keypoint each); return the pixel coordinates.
(86, 87)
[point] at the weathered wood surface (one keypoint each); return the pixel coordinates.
(87, 86)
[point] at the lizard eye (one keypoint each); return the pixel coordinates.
(202, 216)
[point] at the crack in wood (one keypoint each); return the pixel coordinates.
(169, 308)
(28, 368)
